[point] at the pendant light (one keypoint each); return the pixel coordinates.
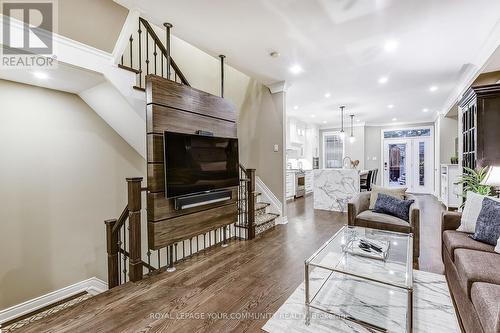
(342, 118)
(352, 138)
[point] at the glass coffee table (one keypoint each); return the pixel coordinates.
(364, 276)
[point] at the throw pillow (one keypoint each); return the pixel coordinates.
(473, 206)
(394, 192)
(390, 205)
(488, 223)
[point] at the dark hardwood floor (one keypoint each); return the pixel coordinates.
(252, 278)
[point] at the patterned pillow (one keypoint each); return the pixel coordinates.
(473, 206)
(488, 223)
(390, 205)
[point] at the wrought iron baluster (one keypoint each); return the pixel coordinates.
(119, 258)
(175, 256)
(140, 54)
(131, 40)
(161, 57)
(124, 249)
(147, 53)
(170, 252)
(155, 53)
(149, 260)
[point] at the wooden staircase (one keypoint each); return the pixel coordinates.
(147, 55)
(264, 220)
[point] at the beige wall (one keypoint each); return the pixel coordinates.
(448, 132)
(62, 174)
(260, 126)
(93, 22)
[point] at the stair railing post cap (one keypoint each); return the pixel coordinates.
(168, 25)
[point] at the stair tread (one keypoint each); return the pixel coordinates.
(261, 205)
(130, 69)
(265, 218)
(139, 88)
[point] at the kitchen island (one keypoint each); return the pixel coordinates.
(333, 188)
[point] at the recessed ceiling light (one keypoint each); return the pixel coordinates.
(41, 75)
(358, 120)
(390, 106)
(313, 116)
(394, 119)
(390, 45)
(296, 107)
(425, 110)
(296, 69)
(383, 80)
(327, 95)
(433, 88)
(324, 121)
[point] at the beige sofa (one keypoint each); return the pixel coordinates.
(472, 269)
(360, 215)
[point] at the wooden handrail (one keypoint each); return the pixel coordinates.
(121, 220)
(164, 51)
(132, 212)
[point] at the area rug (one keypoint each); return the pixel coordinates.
(432, 306)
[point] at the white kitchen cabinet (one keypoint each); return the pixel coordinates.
(450, 191)
(309, 181)
(290, 184)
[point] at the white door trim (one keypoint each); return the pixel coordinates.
(393, 128)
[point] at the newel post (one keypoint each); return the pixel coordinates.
(112, 249)
(251, 203)
(134, 234)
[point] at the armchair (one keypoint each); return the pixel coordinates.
(359, 214)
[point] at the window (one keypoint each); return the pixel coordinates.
(411, 133)
(421, 163)
(333, 149)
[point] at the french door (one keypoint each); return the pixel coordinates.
(408, 162)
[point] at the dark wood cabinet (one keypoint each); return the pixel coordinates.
(480, 113)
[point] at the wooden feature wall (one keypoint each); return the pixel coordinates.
(178, 108)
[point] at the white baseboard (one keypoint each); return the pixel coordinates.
(93, 286)
(268, 196)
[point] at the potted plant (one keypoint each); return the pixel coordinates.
(454, 159)
(471, 181)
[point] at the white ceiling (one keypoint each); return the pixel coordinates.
(63, 77)
(340, 46)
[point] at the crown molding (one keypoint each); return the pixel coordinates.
(277, 87)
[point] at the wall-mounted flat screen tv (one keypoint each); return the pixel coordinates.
(197, 163)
